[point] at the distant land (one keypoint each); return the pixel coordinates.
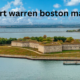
(41, 26)
(78, 30)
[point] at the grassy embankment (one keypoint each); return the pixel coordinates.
(6, 50)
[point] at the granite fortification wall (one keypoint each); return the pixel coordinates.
(57, 48)
(25, 44)
(33, 45)
(47, 49)
(71, 47)
(41, 48)
(20, 44)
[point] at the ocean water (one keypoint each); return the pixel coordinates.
(23, 69)
(50, 32)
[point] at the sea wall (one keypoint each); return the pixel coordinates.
(71, 47)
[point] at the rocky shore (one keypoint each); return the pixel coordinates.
(41, 58)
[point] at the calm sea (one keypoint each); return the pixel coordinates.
(50, 32)
(23, 69)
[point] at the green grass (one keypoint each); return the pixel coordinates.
(65, 51)
(5, 50)
(16, 51)
(35, 49)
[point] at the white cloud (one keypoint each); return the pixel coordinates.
(61, 22)
(38, 17)
(73, 2)
(14, 20)
(20, 18)
(71, 17)
(18, 9)
(64, 0)
(4, 19)
(64, 10)
(56, 6)
(54, 18)
(17, 2)
(37, 11)
(29, 21)
(6, 7)
(48, 17)
(53, 10)
(75, 10)
(29, 7)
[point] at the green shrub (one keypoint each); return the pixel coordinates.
(60, 38)
(69, 39)
(6, 41)
(45, 36)
(49, 39)
(26, 38)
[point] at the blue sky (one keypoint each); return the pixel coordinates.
(37, 5)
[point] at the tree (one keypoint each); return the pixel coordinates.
(3, 40)
(40, 39)
(55, 38)
(69, 39)
(49, 39)
(26, 38)
(78, 30)
(33, 38)
(60, 41)
(63, 39)
(59, 38)
(10, 39)
(77, 40)
(6, 41)
(45, 36)
(44, 39)
(20, 39)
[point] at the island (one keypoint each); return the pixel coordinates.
(41, 48)
(78, 30)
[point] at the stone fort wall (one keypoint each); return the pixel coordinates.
(71, 47)
(33, 45)
(57, 48)
(24, 44)
(19, 44)
(41, 48)
(46, 49)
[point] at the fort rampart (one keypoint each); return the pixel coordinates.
(46, 49)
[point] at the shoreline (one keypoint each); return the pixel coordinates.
(48, 59)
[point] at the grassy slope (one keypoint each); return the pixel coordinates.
(15, 51)
(65, 51)
(19, 51)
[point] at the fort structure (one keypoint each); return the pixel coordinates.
(20, 43)
(33, 44)
(46, 48)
